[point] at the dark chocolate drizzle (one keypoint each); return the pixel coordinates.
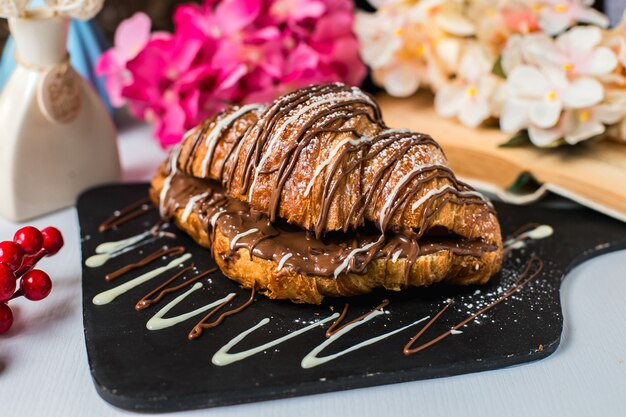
(202, 325)
(164, 251)
(337, 326)
(145, 301)
(126, 214)
(527, 275)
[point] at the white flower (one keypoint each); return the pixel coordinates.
(448, 15)
(401, 79)
(378, 37)
(616, 97)
(536, 97)
(401, 53)
(576, 51)
(577, 125)
(468, 97)
(615, 39)
(555, 16)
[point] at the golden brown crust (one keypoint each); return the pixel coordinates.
(245, 269)
(322, 158)
(233, 145)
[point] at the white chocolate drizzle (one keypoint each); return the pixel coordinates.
(430, 194)
(215, 217)
(333, 152)
(106, 297)
(312, 359)
(223, 356)
(540, 232)
(240, 235)
(157, 322)
(394, 193)
(282, 261)
(211, 140)
(352, 254)
(190, 205)
(108, 250)
(279, 132)
(167, 183)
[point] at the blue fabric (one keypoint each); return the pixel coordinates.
(614, 9)
(85, 43)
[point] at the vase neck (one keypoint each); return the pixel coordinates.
(40, 41)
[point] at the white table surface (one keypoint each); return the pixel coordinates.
(44, 371)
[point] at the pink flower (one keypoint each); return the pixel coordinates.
(231, 51)
(130, 38)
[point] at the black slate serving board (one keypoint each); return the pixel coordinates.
(138, 369)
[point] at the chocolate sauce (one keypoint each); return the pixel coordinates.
(126, 214)
(146, 301)
(275, 241)
(203, 325)
(337, 326)
(164, 251)
(527, 275)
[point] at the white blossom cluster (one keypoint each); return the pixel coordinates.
(550, 68)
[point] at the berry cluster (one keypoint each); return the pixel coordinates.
(17, 262)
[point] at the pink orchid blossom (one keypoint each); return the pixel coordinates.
(131, 37)
(228, 52)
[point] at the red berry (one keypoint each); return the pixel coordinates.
(52, 240)
(11, 254)
(6, 318)
(30, 239)
(36, 285)
(7, 282)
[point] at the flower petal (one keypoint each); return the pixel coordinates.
(579, 40)
(610, 113)
(545, 113)
(401, 81)
(474, 112)
(132, 35)
(544, 137)
(514, 115)
(602, 61)
(234, 15)
(455, 23)
(584, 131)
(449, 100)
(594, 17)
(583, 92)
(527, 81)
(554, 23)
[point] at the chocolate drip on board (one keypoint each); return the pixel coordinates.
(203, 325)
(164, 251)
(145, 301)
(337, 326)
(126, 214)
(527, 275)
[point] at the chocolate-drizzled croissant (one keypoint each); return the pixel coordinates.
(322, 159)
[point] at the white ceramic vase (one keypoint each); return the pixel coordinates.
(56, 137)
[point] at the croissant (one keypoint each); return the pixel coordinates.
(314, 196)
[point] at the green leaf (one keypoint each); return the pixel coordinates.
(525, 182)
(497, 68)
(521, 138)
